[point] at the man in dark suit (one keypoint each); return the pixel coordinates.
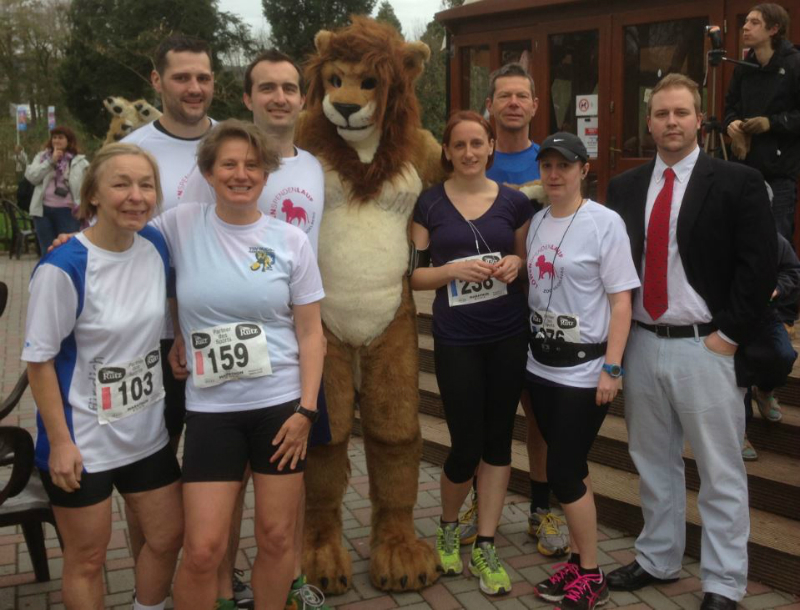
(704, 243)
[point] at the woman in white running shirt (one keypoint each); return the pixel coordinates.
(251, 345)
(95, 317)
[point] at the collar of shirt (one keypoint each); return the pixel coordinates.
(683, 168)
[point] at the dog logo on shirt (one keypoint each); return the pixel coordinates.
(294, 212)
(265, 259)
(545, 268)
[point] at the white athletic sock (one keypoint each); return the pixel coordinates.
(137, 605)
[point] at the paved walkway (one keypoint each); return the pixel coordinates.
(18, 588)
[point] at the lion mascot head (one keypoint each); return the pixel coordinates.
(362, 117)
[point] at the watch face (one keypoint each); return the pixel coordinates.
(614, 370)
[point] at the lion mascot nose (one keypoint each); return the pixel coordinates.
(346, 109)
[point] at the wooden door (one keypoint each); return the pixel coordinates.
(646, 45)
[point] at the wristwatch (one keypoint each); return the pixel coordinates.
(311, 414)
(614, 370)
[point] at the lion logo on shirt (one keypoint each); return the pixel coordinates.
(265, 259)
(294, 212)
(544, 267)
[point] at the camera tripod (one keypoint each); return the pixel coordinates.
(712, 125)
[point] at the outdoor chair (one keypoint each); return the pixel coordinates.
(23, 500)
(22, 232)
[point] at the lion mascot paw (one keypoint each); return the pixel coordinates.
(362, 123)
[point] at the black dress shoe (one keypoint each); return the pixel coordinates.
(715, 601)
(632, 577)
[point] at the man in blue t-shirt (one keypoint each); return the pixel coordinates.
(512, 103)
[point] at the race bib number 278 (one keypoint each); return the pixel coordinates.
(229, 352)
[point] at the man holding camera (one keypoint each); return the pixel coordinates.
(762, 109)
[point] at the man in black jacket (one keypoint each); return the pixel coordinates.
(704, 244)
(762, 109)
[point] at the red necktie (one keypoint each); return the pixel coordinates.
(655, 269)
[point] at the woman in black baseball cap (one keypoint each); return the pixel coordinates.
(580, 276)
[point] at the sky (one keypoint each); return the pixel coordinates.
(414, 15)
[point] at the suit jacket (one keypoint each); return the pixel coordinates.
(726, 238)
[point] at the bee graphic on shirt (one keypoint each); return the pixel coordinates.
(265, 259)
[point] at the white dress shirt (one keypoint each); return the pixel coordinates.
(685, 306)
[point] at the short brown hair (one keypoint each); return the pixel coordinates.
(234, 129)
(87, 209)
(179, 43)
(510, 69)
(460, 116)
(62, 130)
(774, 14)
(272, 56)
(676, 80)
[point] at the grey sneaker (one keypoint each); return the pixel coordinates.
(242, 593)
(768, 405)
(748, 452)
(550, 531)
(468, 522)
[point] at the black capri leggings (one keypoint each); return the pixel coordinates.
(569, 420)
(480, 387)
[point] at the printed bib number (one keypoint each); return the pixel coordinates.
(229, 352)
(558, 326)
(124, 389)
(462, 292)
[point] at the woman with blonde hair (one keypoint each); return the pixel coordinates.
(95, 318)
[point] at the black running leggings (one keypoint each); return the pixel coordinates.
(480, 386)
(569, 420)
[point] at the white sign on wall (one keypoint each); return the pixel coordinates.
(586, 105)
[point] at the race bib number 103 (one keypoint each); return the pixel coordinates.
(124, 389)
(229, 352)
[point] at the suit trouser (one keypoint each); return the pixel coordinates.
(676, 388)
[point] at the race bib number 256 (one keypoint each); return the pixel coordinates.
(228, 352)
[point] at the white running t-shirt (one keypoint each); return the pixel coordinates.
(176, 157)
(294, 193)
(240, 274)
(93, 312)
(593, 260)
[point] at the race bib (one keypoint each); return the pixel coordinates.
(124, 389)
(228, 352)
(558, 326)
(462, 292)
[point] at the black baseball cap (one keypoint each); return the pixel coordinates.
(568, 144)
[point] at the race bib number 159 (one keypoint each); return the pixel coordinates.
(228, 352)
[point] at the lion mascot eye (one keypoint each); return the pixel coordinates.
(336, 81)
(369, 83)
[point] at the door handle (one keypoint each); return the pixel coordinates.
(613, 150)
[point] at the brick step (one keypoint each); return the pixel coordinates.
(782, 437)
(774, 546)
(773, 480)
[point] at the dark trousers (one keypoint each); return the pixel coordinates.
(53, 222)
(782, 359)
(784, 201)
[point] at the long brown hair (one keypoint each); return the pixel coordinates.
(61, 130)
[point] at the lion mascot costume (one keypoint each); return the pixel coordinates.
(362, 123)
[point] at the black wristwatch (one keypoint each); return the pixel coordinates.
(313, 415)
(614, 371)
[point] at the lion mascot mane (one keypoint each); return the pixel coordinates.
(362, 123)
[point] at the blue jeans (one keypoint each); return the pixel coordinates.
(52, 222)
(784, 200)
(772, 371)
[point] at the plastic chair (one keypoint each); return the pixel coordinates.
(22, 232)
(23, 500)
